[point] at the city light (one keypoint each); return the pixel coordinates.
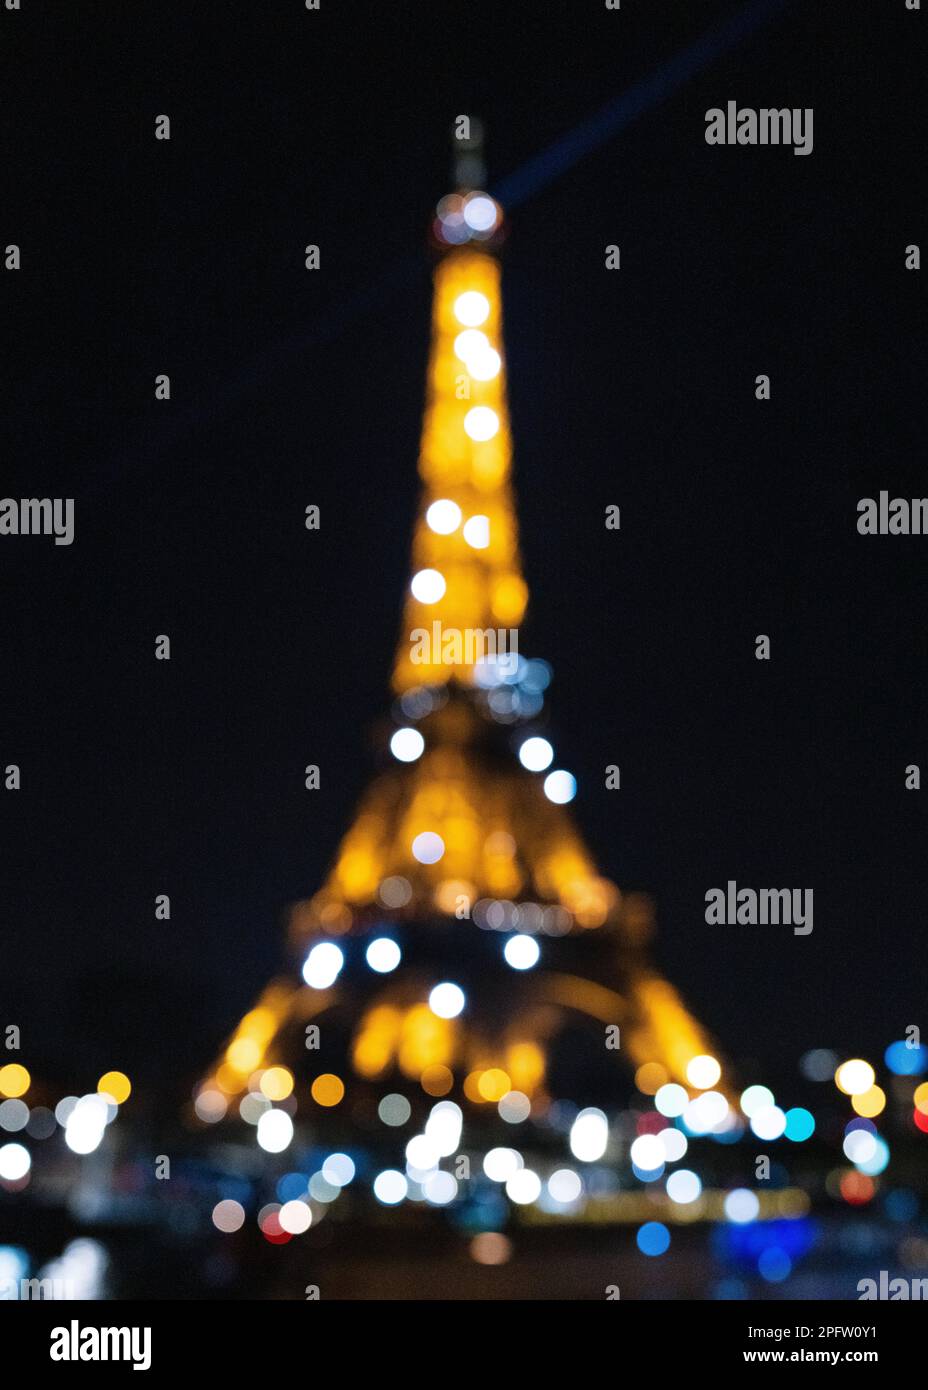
(323, 965)
(522, 952)
(447, 1000)
(383, 955)
(536, 754)
(407, 745)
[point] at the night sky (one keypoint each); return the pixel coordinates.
(633, 387)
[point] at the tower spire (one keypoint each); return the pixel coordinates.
(468, 167)
(467, 595)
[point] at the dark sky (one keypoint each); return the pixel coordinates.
(635, 388)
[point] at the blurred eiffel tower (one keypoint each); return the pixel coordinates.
(464, 944)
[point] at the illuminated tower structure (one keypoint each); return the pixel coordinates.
(468, 975)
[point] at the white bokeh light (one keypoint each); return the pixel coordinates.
(15, 1162)
(477, 532)
(475, 351)
(407, 745)
(768, 1122)
(755, 1098)
(428, 586)
(446, 1000)
(707, 1113)
(500, 1164)
(443, 517)
(440, 1188)
(671, 1100)
(674, 1143)
(471, 343)
(228, 1216)
(536, 754)
(741, 1206)
(485, 366)
(383, 955)
(683, 1187)
(521, 952)
(338, 1169)
(86, 1124)
(275, 1131)
(322, 965)
(589, 1135)
(443, 1127)
(523, 1187)
(855, 1077)
(390, 1187)
(560, 787)
(860, 1146)
(422, 1153)
(565, 1185)
(514, 1107)
(703, 1072)
(428, 847)
(471, 308)
(481, 423)
(295, 1217)
(647, 1153)
(480, 212)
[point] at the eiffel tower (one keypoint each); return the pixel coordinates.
(464, 947)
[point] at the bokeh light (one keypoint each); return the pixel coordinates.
(536, 754)
(323, 965)
(653, 1238)
(521, 952)
(854, 1077)
(560, 787)
(407, 745)
(383, 955)
(447, 1000)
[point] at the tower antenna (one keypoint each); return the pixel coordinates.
(468, 167)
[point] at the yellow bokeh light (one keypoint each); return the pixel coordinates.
(493, 1084)
(228, 1079)
(328, 1089)
(472, 1087)
(425, 1041)
(14, 1080)
(650, 1077)
(258, 1024)
(376, 1041)
(870, 1103)
(436, 1080)
(277, 1083)
(509, 599)
(243, 1054)
(359, 874)
(115, 1084)
(920, 1098)
(525, 1066)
